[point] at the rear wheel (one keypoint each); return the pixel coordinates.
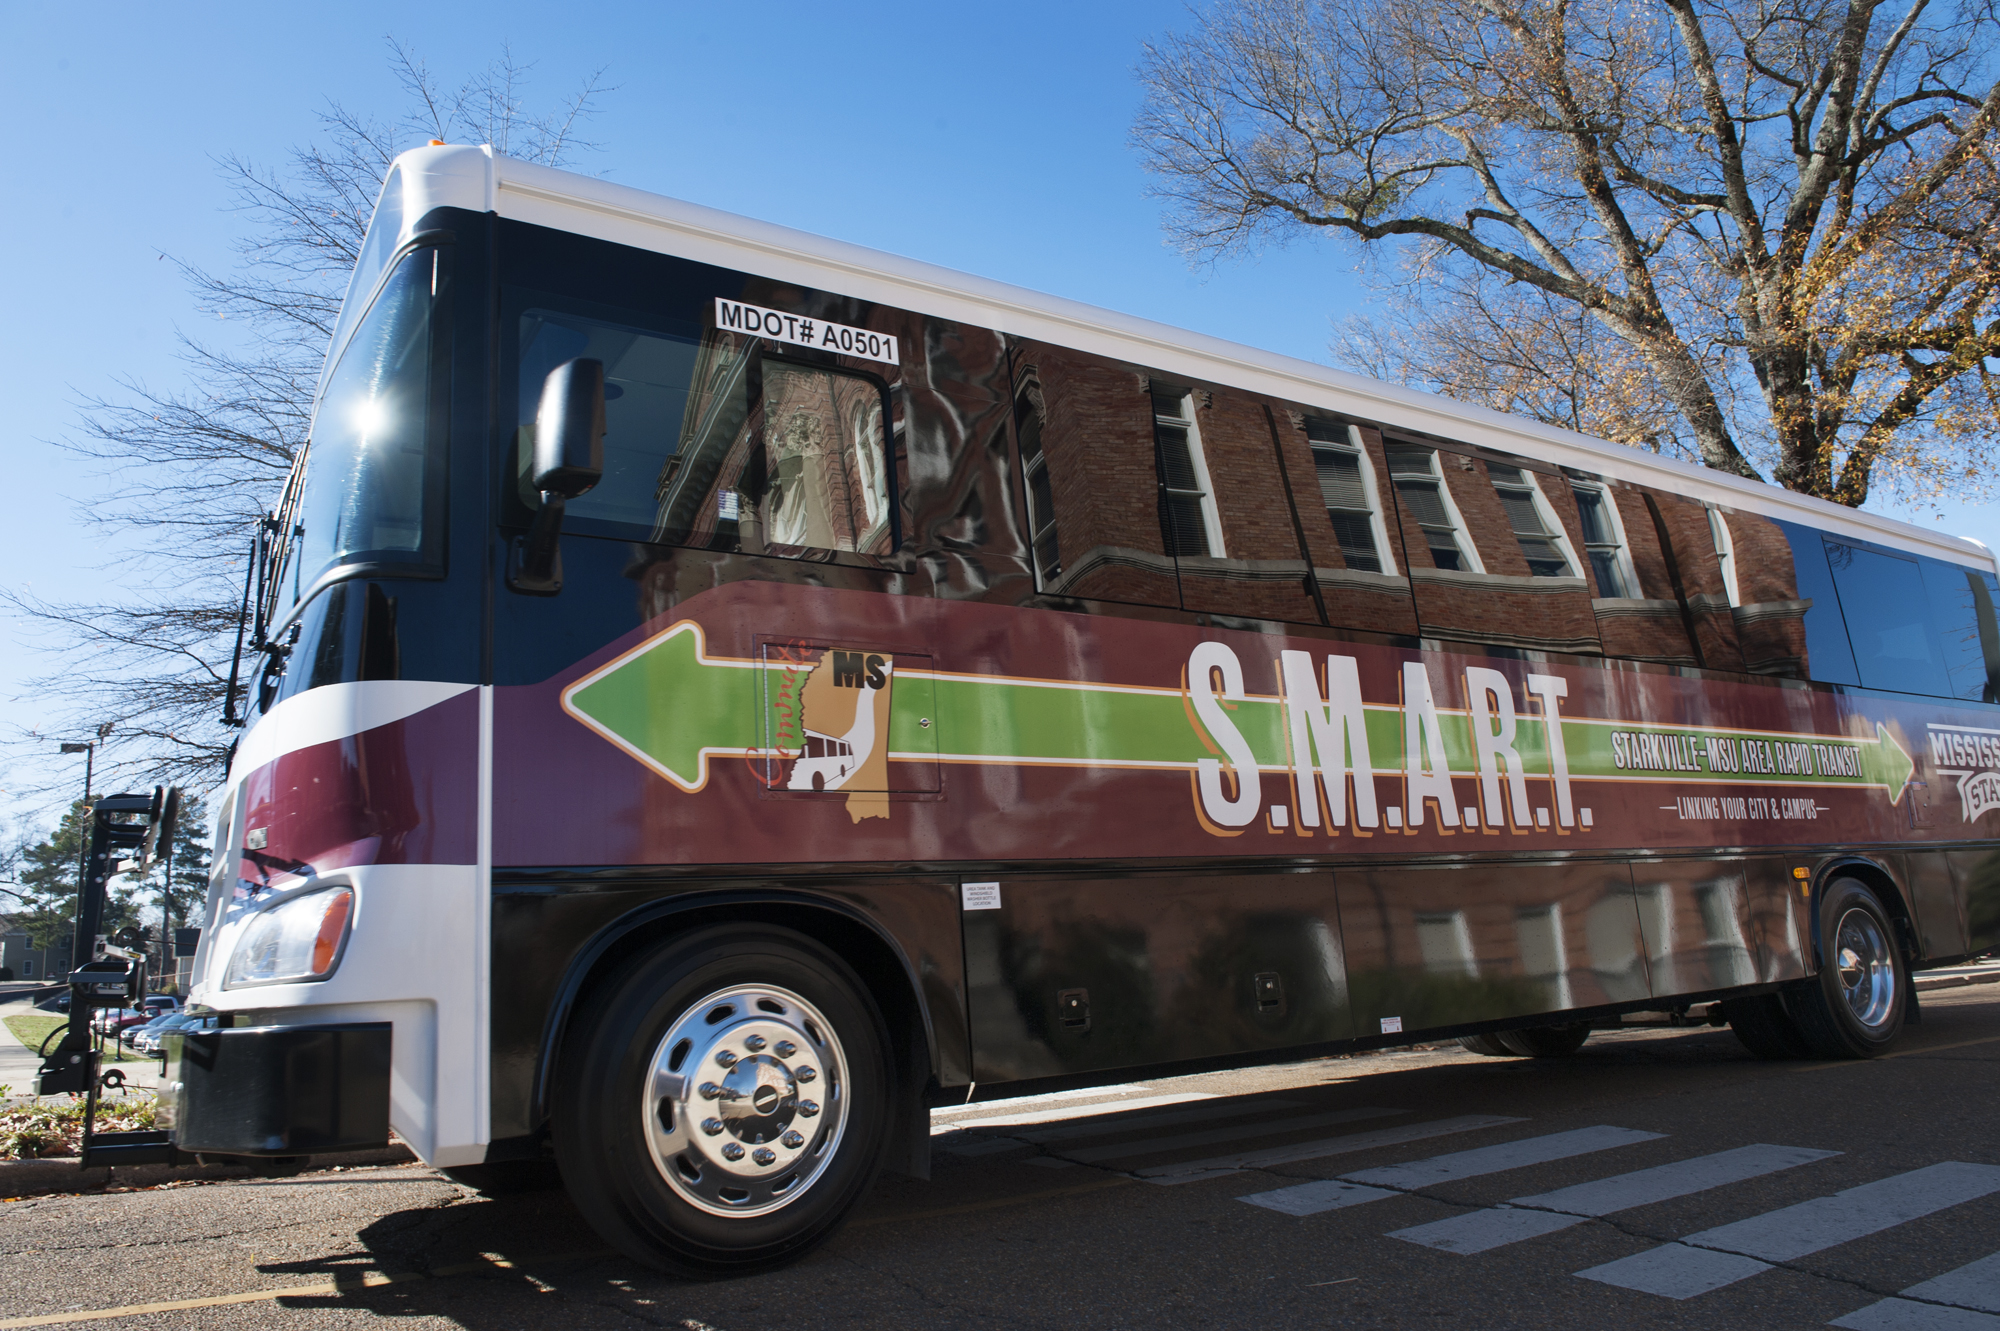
(1488, 1045)
(1854, 1007)
(1546, 1041)
(724, 1102)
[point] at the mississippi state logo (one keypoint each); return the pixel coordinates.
(1971, 756)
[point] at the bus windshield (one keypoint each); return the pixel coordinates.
(369, 471)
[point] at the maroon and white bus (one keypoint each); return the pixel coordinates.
(725, 691)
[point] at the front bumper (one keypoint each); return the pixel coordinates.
(278, 1090)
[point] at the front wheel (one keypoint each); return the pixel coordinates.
(724, 1102)
(1854, 1007)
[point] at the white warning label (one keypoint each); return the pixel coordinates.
(736, 317)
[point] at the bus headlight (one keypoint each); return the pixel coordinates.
(300, 939)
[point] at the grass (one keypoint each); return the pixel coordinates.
(33, 1028)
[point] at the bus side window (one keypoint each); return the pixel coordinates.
(1357, 547)
(1887, 608)
(1962, 612)
(1674, 547)
(1095, 476)
(1250, 450)
(1044, 538)
(1637, 583)
(1786, 612)
(1491, 544)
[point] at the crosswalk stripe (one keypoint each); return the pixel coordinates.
(1478, 1231)
(1728, 1253)
(1481, 1231)
(1505, 1156)
(1823, 1222)
(1973, 1290)
(1353, 1189)
(1675, 1271)
(1974, 1285)
(1908, 1315)
(1682, 1178)
(1233, 1132)
(1191, 1171)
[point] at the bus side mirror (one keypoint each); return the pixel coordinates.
(569, 460)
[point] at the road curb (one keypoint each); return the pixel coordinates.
(41, 1178)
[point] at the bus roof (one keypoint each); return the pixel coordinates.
(481, 180)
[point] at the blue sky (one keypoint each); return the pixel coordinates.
(987, 138)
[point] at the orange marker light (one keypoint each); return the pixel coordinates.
(437, 143)
(1801, 873)
(332, 926)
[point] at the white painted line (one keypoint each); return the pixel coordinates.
(1904, 1315)
(1190, 1171)
(1234, 1132)
(1495, 1159)
(1312, 1198)
(1826, 1222)
(1680, 1179)
(1495, 1228)
(1680, 1271)
(1068, 1112)
(1975, 1285)
(1233, 1107)
(1675, 1271)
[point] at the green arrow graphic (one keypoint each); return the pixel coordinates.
(673, 707)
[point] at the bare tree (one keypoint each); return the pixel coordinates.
(188, 470)
(1785, 209)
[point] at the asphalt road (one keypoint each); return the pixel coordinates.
(1813, 1194)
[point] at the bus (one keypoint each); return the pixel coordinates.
(725, 692)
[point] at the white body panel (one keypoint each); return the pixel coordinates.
(480, 180)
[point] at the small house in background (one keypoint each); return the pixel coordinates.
(20, 959)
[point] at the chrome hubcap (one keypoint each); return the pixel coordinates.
(1867, 968)
(745, 1100)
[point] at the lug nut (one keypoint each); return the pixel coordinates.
(725, 1057)
(732, 1152)
(804, 1074)
(709, 1090)
(808, 1108)
(754, 1043)
(764, 1155)
(711, 1126)
(793, 1140)
(784, 1049)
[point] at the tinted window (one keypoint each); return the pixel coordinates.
(1962, 613)
(646, 377)
(1887, 608)
(1828, 656)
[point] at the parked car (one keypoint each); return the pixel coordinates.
(146, 1039)
(132, 1035)
(186, 1021)
(160, 1003)
(129, 1017)
(54, 1003)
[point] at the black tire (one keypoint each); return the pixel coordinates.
(506, 1178)
(676, 1163)
(1488, 1045)
(1764, 1027)
(1546, 1041)
(1854, 1007)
